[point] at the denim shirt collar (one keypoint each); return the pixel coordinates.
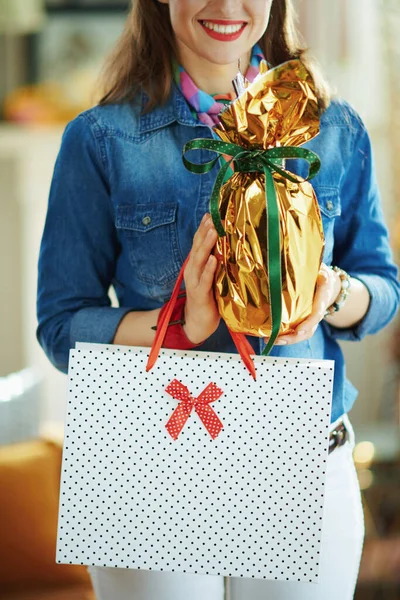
(176, 109)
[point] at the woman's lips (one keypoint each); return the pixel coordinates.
(221, 36)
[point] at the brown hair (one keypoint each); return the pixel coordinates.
(142, 58)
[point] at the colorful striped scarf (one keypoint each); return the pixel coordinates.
(204, 106)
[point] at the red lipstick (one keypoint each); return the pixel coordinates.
(223, 37)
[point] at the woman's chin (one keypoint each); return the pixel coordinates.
(225, 56)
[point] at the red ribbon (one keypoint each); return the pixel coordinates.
(201, 405)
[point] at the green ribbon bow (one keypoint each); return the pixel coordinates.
(261, 161)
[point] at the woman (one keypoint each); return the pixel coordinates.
(123, 211)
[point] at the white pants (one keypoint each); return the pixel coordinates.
(342, 540)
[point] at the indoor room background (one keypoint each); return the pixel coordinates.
(50, 56)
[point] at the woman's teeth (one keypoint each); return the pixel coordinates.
(227, 29)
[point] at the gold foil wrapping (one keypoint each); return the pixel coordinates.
(279, 109)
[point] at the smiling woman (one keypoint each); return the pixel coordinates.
(124, 211)
(200, 27)
(158, 30)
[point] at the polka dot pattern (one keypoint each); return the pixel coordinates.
(246, 504)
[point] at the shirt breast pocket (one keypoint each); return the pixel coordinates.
(330, 206)
(151, 236)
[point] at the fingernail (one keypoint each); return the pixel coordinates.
(281, 343)
(301, 332)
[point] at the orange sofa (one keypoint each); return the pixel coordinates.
(29, 492)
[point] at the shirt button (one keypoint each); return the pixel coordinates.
(146, 221)
(329, 205)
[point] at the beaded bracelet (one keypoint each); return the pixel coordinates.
(344, 292)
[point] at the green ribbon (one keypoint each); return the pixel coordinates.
(260, 161)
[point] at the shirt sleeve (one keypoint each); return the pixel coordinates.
(361, 244)
(79, 249)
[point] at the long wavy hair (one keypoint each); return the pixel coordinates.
(141, 60)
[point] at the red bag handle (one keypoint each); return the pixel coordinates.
(162, 324)
(239, 339)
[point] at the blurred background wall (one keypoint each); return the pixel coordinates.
(50, 56)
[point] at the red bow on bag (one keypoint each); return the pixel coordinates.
(201, 405)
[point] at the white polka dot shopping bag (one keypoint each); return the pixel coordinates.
(194, 467)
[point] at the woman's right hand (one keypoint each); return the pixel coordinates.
(201, 312)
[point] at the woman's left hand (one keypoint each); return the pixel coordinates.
(327, 290)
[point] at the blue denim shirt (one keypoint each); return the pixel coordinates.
(123, 211)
